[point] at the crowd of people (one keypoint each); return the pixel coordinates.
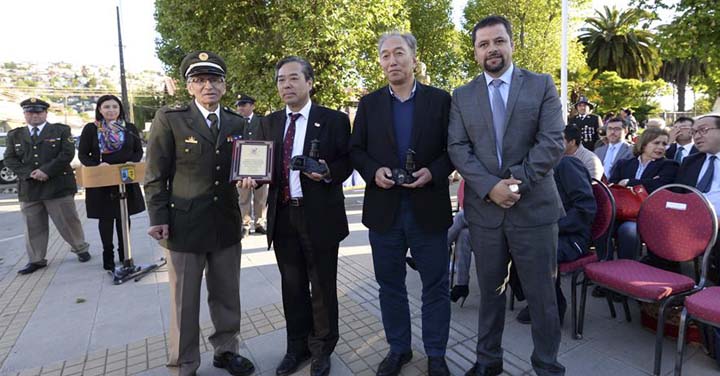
(528, 201)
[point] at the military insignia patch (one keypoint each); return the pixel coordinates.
(203, 56)
(33, 100)
(127, 174)
(234, 137)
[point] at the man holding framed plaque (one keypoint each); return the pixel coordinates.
(194, 213)
(306, 214)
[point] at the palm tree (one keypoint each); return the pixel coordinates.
(679, 72)
(614, 42)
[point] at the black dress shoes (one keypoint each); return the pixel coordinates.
(393, 363)
(290, 363)
(320, 366)
(260, 230)
(482, 370)
(84, 256)
(437, 366)
(235, 364)
(29, 268)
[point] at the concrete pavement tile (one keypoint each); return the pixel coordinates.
(157, 362)
(115, 366)
(53, 367)
(140, 367)
(73, 369)
(56, 372)
(157, 353)
(357, 366)
(156, 346)
(30, 372)
(99, 362)
(142, 358)
(112, 358)
(137, 352)
(119, 372)
(94, 371)
(99, 354)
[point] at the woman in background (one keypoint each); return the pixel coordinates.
(110, 140)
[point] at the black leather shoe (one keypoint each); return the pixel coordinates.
(84, 256)
(598, 292)
(235, 364)
(523, 316)
(437, 366)
(393, 363)
(320, 366)
(481, 370)
(290, 363)
(459, 292)
(29, 268)
(260, 230)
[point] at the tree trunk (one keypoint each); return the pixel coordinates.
(681, 86)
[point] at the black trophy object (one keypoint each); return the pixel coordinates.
(405, 175)
(310, 163)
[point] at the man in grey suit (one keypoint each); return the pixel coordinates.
(616, 148)
(505, 137)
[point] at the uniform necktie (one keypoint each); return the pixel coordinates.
(679, 153)
(287, 155)
(35, 133)
(498, 112)
(213, 125)
(706, 181)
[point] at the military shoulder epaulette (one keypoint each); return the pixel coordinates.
(14, 130)
(177, 107)
(231, 111)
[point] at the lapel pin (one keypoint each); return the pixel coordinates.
(317, 125)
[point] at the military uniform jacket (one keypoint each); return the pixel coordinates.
(187, 179)
(253, 129)
(52, 153)
(588, 127)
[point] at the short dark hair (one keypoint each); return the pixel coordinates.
(627, 111)
(492, 21)
(618, 120)
(105, 98)
(572, 133)
(684, 118)
(306, 68)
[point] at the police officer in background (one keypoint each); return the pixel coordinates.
(194, 213)
(252, 201)
(587, 123)
(40, 155)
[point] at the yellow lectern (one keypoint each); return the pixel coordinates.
(111, 175)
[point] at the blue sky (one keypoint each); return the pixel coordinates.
(84, 31)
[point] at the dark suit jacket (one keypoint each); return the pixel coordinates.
(689, 171)
(373, 146)
(670, 152)
(532, 146)
(324, 202)
(187, 179)
(252, 129)
(657, 173)
(52, 153)
(574, 186)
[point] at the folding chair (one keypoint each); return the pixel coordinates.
(703, 307)
(670, 238)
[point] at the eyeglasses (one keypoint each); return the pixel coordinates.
(214, 81)
(702, 131)
(615, 129)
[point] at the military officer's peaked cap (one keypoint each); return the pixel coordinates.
(34, 105)
(244, 98)
(202, 62)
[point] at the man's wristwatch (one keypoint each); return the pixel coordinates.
(514, 188)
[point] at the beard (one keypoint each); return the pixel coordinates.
(497, 68)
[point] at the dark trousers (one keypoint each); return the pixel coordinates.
(429, 250)
(105, 226)
(312, 318)
(534, 254)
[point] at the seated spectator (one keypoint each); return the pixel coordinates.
(616, 149)
(681, 140)
(701, 170)
(575, 189)
(574, 147)
(650, 169)
(655, 123)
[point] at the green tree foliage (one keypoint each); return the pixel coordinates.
(614, 41)
(537, 27)
(611, 93)
(439, 43)
(338, 37)
(680, 71)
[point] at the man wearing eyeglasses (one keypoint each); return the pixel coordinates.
(702, 170)
(617, 149)
(194, 214)
(681, 140)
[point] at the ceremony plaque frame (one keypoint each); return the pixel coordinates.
(252, 159)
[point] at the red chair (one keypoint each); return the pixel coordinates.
(669, 237)
(461, 194)
(600, 234)
(703, 307)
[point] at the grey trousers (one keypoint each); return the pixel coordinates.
(534, 251)
(253, 204)
(222, 276)
(64, 215)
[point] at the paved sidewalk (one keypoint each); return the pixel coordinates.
(69, 319)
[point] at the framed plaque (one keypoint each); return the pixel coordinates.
(252, 159)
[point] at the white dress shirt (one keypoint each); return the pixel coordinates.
(506, 78)
(298, 145)
(687, 148)
(714, 194)
(39, 127)
(205, 113)
(610, 155)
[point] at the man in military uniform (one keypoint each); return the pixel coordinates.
(194, 213)
(587, 123)
(40, 155)
(252, 201)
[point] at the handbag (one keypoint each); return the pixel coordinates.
(628, 201)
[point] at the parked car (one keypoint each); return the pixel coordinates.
(7, 176)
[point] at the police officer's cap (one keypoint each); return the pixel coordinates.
(586, 101)
(34, 105)
(202, 62)
(243, 98)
